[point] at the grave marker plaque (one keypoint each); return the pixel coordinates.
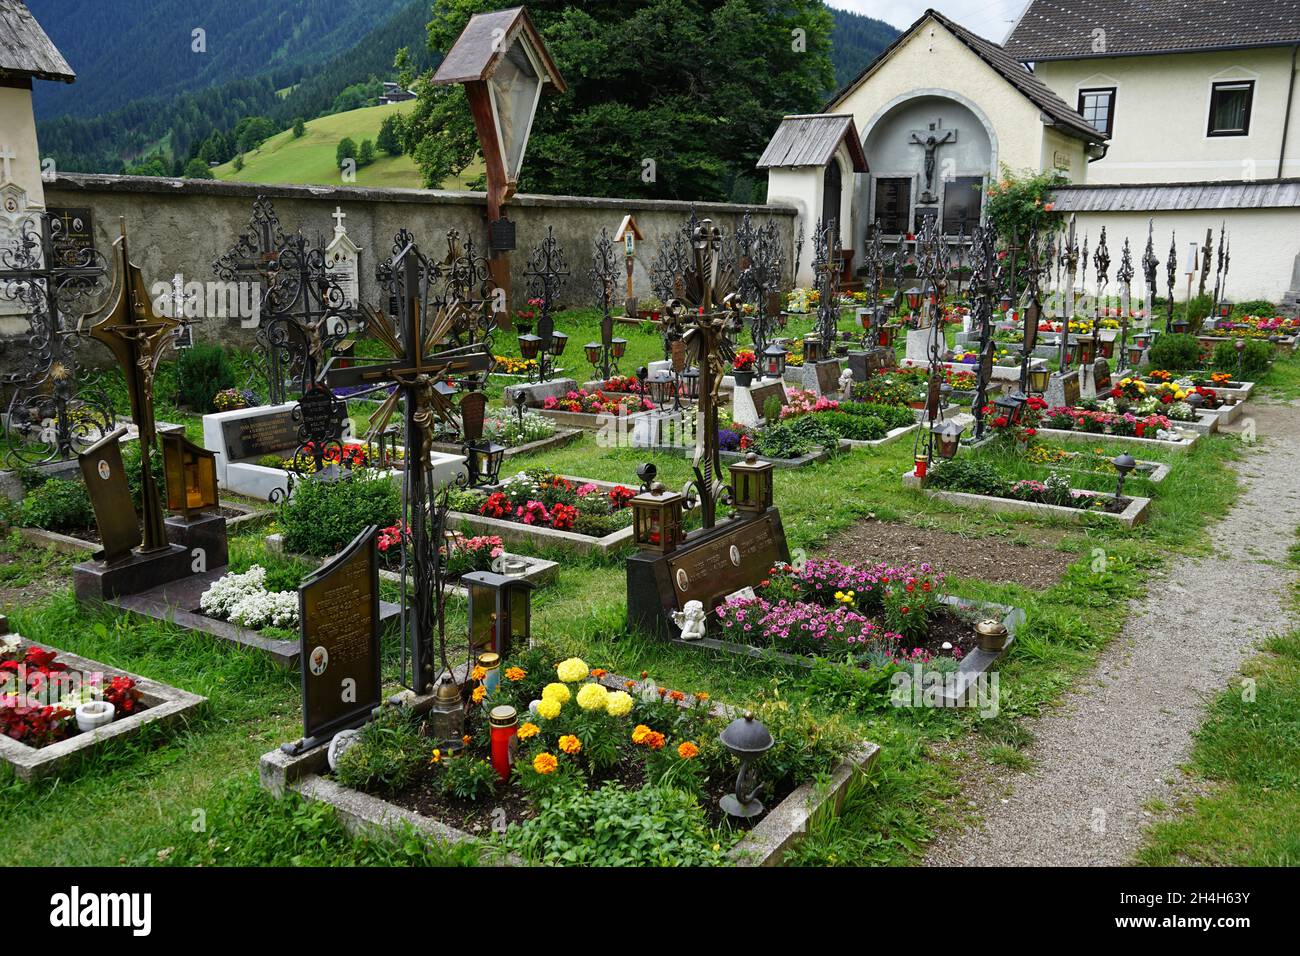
(338, 611)
(760, 394)
(828, 378)
(260, 435)
(110, 496)
(72, 235)
(1101, 375)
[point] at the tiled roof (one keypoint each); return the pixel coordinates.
(1058, 112)
(25, 50)
(1066, 29)
(811, 140)
(1147, 197)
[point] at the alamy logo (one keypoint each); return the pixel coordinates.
(76, 909)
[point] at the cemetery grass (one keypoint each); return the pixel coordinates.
(139, 804)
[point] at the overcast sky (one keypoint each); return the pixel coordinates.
(988, 18)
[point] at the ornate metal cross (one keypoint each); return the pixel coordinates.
(136, 336)
(827, 263)
(545, 275)
(759, 248)
(603, 275)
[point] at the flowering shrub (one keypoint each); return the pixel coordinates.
(464, 554)
(244, 600)
(745, 361)
(231, 399)
(801, 402)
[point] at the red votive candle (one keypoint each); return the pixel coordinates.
(504, 722)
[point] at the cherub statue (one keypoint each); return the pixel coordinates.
(691, 620)
(846, 385)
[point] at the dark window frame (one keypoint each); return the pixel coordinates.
(903, 184)
(1218, 85)
(1110, 112)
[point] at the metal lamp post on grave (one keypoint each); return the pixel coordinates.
(505, 68)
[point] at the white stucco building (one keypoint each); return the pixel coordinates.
(1202, 109)
(937, 114)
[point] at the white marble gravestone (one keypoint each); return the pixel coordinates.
(343, 256)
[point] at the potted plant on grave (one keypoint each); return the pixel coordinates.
(742, 369)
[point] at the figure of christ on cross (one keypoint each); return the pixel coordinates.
(931, 141)
(418, 366)
(136, 336)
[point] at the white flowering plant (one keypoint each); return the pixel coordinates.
(243, 599)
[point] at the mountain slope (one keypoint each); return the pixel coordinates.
(855, 42)
(128, 49)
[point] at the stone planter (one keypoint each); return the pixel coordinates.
(590, 422)
(562, 437)
(1134, 514)
(164, 707)
(1069, 435)
(892, 436)
(363, 814)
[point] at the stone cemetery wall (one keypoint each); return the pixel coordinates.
(183, 226)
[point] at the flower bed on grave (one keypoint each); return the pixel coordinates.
(601, 776)
(854, 422)
(1252, 327)
(1093, 461)
(245, 600)
(40, 695)
(592, 410)
(980, 478)
(1096, 418)
(909, 385)
(546, 500)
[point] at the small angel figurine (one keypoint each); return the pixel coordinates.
(690, 620)
(846, 385)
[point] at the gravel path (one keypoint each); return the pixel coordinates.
(1117, 739)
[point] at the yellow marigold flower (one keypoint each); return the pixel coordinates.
(619, 704)
(479, 693)
(701, 696)
(570, 744)
(527, 730)
(572, 670)
(641, 733)
(515, 673)
(545, 763)
(436, 756)
(548, 709)
(478, 673)
(556, 692)
(592, 697)
(687, 750)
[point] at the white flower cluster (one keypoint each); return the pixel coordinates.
(244, 600)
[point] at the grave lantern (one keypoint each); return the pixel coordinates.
(661, 388)
(558, 341)
(592, 350)
(618, 347)
(1038, 378)
(1196, 400)
(746, 739)
(913, 296)
(1135, 354)
(483, 462)
(447, 715)
(774, 357)
(191, 473)
(751, 484)
(657, 519)
(1004, 303)
(530, 345)
(886, 336)
(691, 384)
(949, 439)
(812, 348)
(500, 611)
(1009, 406)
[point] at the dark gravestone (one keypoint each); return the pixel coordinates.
(708, 567)
(338, 609)
(1101, 375)
(72, 236)
(828, 378)
(319, 416)
(110, 496)
(1063, 389)
(473, 412)
(259, 435)
(760, 394)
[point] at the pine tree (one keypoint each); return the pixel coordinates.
(390, 139)
(367, 154)
(347, 149)
(299, 127)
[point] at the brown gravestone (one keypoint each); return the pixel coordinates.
(473, 411)
(760, 394)
(828, 378)
(1101, 376)
(110, 496)
(338, 609)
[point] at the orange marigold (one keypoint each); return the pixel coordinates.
(701, 696)
(466, 739)
(687, 750)
(479, 693)
(515, 673)
(545, 763)
(655, 741)
(677, 695)
(598, 672)
(478, 673)
(527, 730)
(640, 733)
(570, 744)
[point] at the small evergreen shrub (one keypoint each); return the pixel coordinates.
(1175, 351)
(323, 516)
(57, 505)
(201, 372)
(1256, 357)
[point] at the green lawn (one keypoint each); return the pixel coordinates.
(311, 158)
(144, 805)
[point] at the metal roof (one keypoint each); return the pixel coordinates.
(1068, 29)
(811, 140)
(486, 38)
(25, 50)
(1151, 197)
(1056, 112)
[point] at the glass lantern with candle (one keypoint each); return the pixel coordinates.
(751, 484)
(500, 612)
(657, 519)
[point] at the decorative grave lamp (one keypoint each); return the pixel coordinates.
(746, 739)
(949, 440)
(530, 346)
(1196, 400)
(691, 384)
(751, 484)
(1039, 375)
(1135, 354)
(1240, 346)
(558, 341)
(1123, 464)
(992, 635)
(812, 348)
(662, 388)
(483, 461)
(593, 350)
(500, 611)
(447, 715)
(191, 473)
(657, 518)
(1004, 303)
(1009, 406)
(774, 357)
(913, 296)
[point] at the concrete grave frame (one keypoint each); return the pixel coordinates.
(562, 437)
(1071, 435)
(166, 707)
(70, 544)
(363, 814)
(1134, 514)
